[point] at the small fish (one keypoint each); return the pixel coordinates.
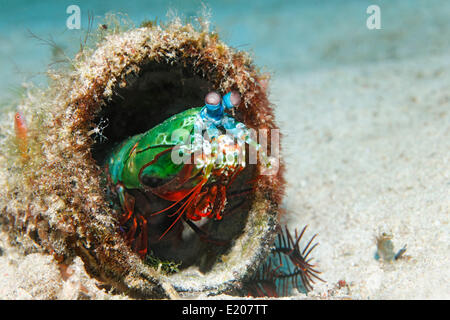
(385, 248)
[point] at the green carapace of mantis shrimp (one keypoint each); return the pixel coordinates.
(189, 160)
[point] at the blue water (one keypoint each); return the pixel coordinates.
(283, 36)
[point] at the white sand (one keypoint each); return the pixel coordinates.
(367, 150)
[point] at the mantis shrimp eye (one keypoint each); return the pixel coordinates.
(235, 98)
(231, 99)
(212, 98)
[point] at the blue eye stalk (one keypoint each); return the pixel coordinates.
(213, 119)
(216, 105)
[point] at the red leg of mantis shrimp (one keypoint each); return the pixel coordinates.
(130, 234)
(178, 201)
(204, 201)
(215, 198)
(209, 200)
(204, 198)
(195, 191)
(190, 211)
(141, 241)
(219, 203)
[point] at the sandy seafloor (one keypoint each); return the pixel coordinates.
(367, 150)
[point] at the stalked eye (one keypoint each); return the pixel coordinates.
(152, 182)
(212, 98)
(231, 99)
(235, 98)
